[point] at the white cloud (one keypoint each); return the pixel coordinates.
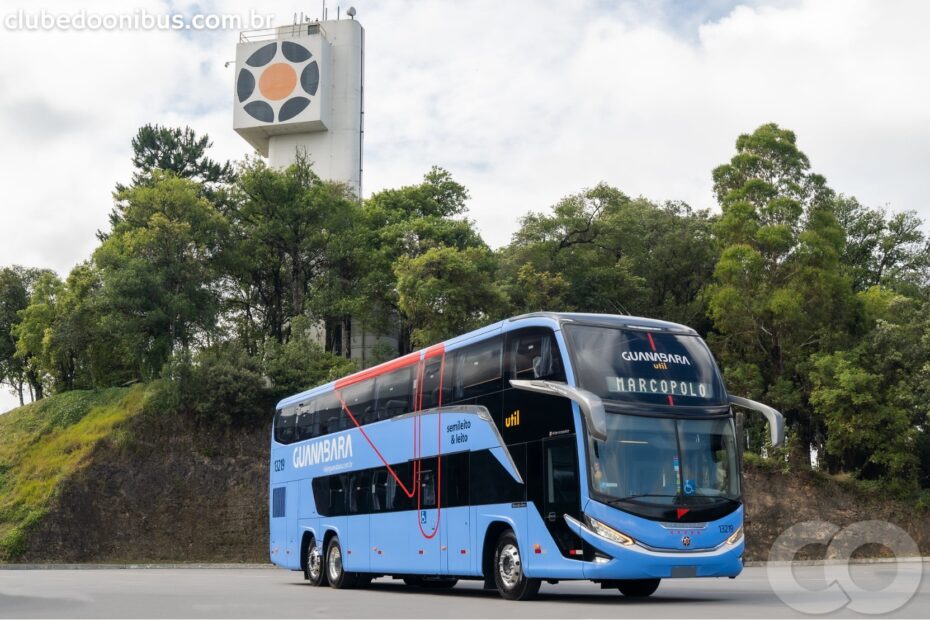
(523, 101)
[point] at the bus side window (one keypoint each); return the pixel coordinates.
(428, 484)
(360, 493)
(360, 399)
(337, 495)
(285, 425)
(328, 415)
(395, 497)
(306, 420)
(394, 393)
(480, 371)
(379, 484)
(431, 389)
(451, 379)
(534, 354)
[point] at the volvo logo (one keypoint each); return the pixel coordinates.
(686, 541)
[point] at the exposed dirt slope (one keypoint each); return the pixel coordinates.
(162, 494)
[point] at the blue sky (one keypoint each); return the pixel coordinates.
(523, 101)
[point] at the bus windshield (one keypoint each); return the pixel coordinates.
(643, 366)
(666, 461)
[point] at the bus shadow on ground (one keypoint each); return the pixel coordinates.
(552, 595)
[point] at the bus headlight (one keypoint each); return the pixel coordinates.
(608, 532)
(735, 536)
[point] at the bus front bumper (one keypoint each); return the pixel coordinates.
(635, 561)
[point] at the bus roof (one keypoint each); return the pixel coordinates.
(555, 319)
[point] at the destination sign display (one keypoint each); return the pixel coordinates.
(666, 387)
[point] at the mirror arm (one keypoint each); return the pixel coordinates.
(775, 419)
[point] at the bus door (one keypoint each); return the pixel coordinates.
(561, 493)
(423, 534)
(454, 520)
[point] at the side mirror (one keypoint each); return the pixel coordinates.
(591, 405)
(775, 419)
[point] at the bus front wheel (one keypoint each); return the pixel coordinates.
(638, 588)
(511, 581)
(314, 571)
(335, 573)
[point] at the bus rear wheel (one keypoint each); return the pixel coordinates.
(314, 572)
(511, 581)
(335, 573)
(638, 588)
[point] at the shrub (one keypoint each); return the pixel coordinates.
(217, 386)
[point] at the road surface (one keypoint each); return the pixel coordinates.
(260, 593)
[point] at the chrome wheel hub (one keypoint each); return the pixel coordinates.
(335, 563)
(313, 562)
(508, 566)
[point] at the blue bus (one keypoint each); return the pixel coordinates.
(546, 447)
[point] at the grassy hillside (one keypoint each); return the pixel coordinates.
(44, 444)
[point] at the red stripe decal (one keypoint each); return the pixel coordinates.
(652, 342)
(380, 369)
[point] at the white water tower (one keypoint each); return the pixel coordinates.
(301, 87)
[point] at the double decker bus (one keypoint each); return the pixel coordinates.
(545, 447)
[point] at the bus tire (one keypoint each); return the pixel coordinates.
(511, 581)
(314, 566)
(337, 576)
(638, 588)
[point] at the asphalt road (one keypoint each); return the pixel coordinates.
(261, 593)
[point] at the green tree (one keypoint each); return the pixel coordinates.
(779, 293)
(615, 254)
(875, 397)
(301, 363)
(404, 223)
(17, 370)
(884, 248)
(178, 150)
(33, 332)
(160, 271)
(446, 291)
(292, 250)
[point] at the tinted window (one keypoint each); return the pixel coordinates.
(644, 366)
(360, 399)
(285, 425)
(534, 354)
(479, 370)
(455, 479)
(395, 497)
(395, 390)
(428, 484)
(330, 495)
(359, 492)
(328, 415)
(379, 483)
(431, 388)
(307, 424)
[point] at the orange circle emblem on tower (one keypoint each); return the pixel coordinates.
(277, 81)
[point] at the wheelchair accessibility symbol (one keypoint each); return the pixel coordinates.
(689, 487)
